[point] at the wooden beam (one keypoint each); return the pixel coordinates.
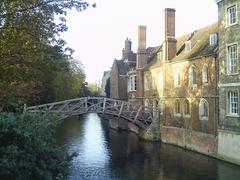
(139, 109)
(121, 108)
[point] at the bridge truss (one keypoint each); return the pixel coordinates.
(138, 115)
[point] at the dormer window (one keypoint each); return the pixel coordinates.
(213, 39)
(232, 15)
(187, 45)
(159, 55)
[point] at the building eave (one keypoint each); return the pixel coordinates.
(218, 1)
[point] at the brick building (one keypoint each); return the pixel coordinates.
(194, 80)
(229, 80)
(123, 74)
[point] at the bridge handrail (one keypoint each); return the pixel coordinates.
(137, 114)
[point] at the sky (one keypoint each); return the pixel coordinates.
(97, 34)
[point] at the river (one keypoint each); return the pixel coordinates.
(106, 154)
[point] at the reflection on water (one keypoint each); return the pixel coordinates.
(108, 154)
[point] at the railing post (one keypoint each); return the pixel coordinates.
(104, 105)
(86, 104)
(139, 109)
(121, 108)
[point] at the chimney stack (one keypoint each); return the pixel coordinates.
(128, 45)
(141, 52)
(169, 34)
(142, 38)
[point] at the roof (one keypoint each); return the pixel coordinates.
(121, 67)
(199, 43)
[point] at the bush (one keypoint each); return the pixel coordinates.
(28, 149)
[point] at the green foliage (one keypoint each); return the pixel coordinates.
(34, 61)
(28, 149)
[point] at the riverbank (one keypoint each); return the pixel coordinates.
(105, 153)
(220, 146)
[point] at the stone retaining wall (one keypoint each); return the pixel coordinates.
(192, 140)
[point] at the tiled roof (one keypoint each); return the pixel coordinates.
(121, 67)
(200, 45)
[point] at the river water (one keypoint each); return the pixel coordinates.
(106, 154)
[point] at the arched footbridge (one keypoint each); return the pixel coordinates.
(141, 116)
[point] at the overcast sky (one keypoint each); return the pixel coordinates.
(97, 35)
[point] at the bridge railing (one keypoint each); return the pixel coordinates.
(139, 115)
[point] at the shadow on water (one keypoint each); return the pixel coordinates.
(119, 155)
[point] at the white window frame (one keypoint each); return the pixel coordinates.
(161, 106)
(161, 82)
(188, 45)
(132, 83)
(202, 109)
(213, 39)
(159, 55)
(230, 60)
(205, 74)
(146, 82)
(177, 77)
(177, 113)
(230, 16)
(191, 76)
(233, 102)
(184, 108)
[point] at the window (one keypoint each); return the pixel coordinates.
(192, 76)
(232, 15)
(233, 102)
(146, 103)
(203, 109)
(161, 80)
(160, 105)
(186, 107)
(159, 55)
(187, 45)
(213, 39)
(177, 107)
(232, 59)
(205, 74)
(146, 82)
(177, 77)
(132, 83)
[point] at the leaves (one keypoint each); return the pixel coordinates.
(34, 62)
(28, 149)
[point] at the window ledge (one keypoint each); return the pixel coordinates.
(203, 118)
(232, 74)
(187, 116)
(178, 115)
(131, 91)
(230, 25)
(233, 115)
(193, 86)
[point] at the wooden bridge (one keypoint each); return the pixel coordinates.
(138, 115)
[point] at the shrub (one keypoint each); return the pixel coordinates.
(28, 149)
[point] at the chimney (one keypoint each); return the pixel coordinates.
(169, 34)
(141, 52)
(128, 45)
(141, 62)
(142, 38)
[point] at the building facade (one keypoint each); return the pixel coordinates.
(123, 74)
(106, 76)
(229, 80)
(194, 80)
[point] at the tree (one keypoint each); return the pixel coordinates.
(31, 52)
(28, 149)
